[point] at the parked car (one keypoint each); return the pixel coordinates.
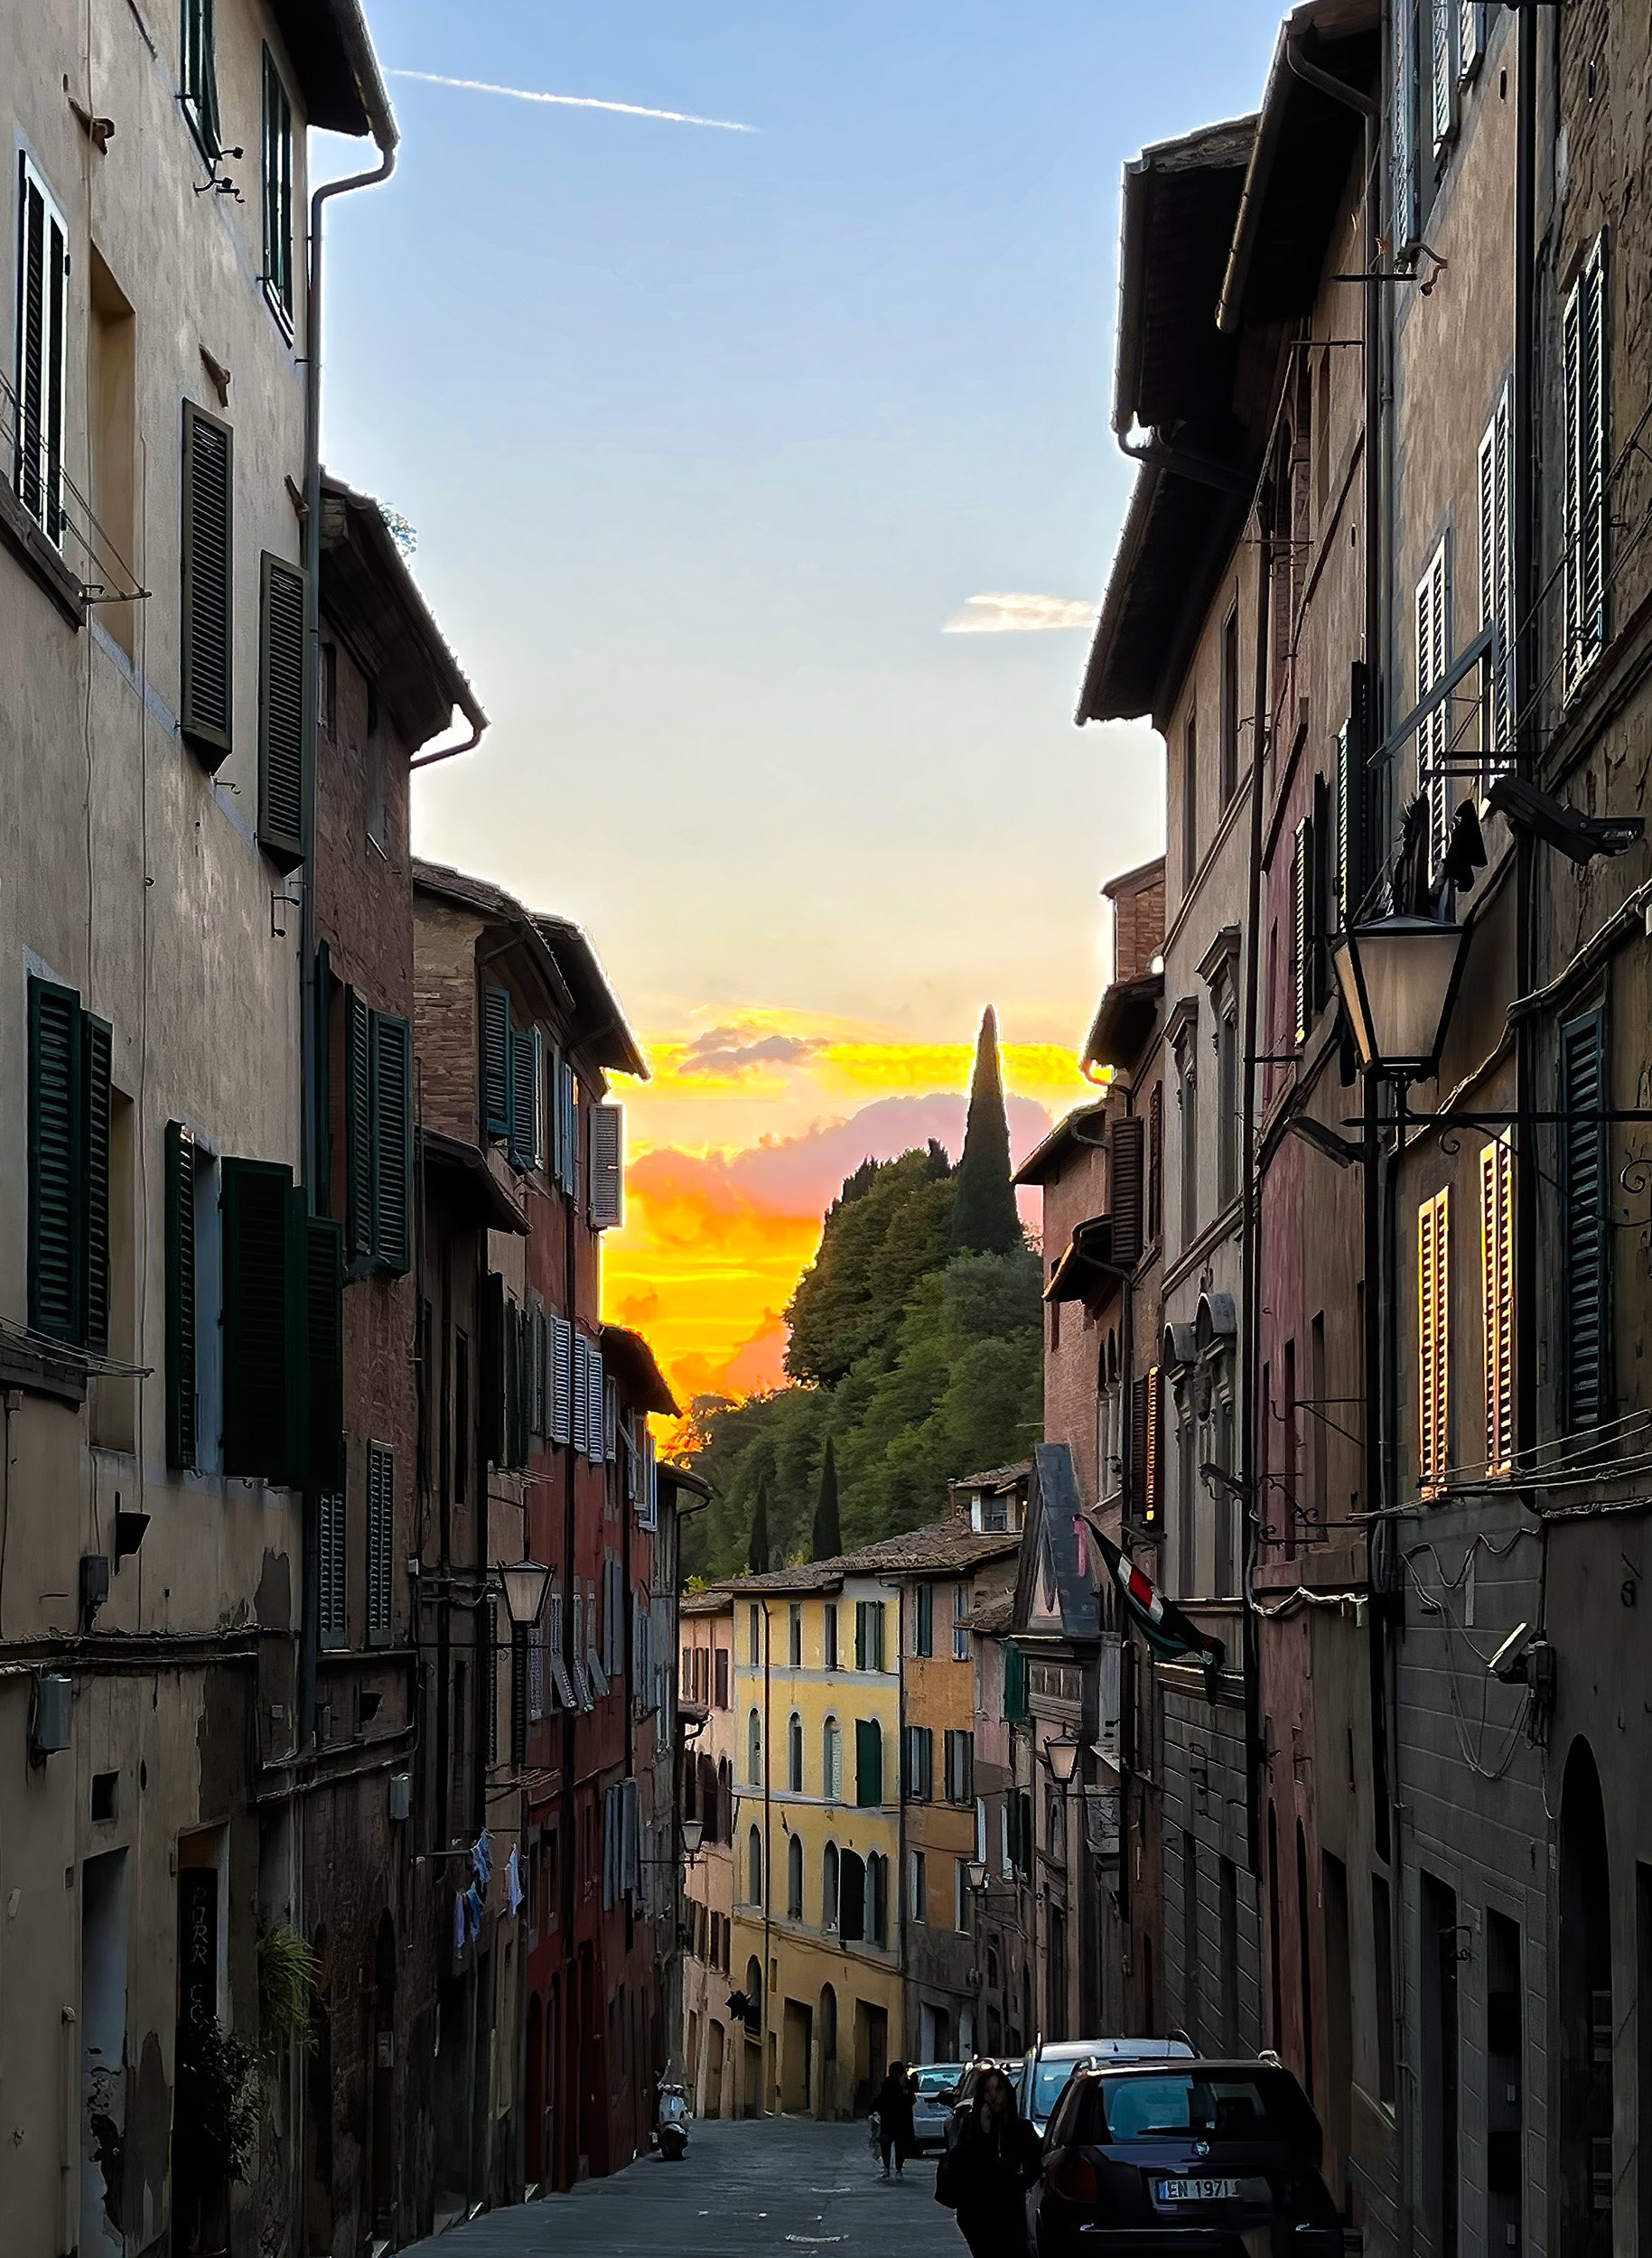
(932, 2109)
(969, 2086)
(1200, 2160)
(1048, 2068)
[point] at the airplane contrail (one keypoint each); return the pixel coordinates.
(570, 102)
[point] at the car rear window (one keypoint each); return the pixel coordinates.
(935, 2081)
(1260, 2106)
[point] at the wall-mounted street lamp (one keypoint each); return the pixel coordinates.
(1062, 1758)
(692, 1836)
(524, 1584)
(975, 1875)
(1399, 979)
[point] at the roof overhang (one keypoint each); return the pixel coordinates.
(367, 587)
(1086, 1271)
(631, 1357)
(470, 1183)
(331, 52)
(1180, 203)
(1177, 535)
(1044, 1161)
(1123, 1021)
(581, 968)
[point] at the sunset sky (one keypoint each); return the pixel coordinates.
(759, 459)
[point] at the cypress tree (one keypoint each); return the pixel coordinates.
(757, 1548)
(828, 1534)
(984, 1220)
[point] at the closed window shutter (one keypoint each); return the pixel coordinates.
(1434, 735)
(1496, 581)
(206, 707)
(495, 1433)
(491, 1681)
(95, 1178)
(1155, 1412)
(1156, 1163)
(262, 1320)
(595, 1409)
(1470, 36)
(380, 1544)
(579, 1393)
(358, 1122)
(496, 1062)
(1585, 1225)
(571, 1117)
(868, 1762)
(1301, 893)
(561, 1381)
(324, 1350)
(1140, 1411)
(606, 1167)
(611, 1421)
(283, 783)
(518, 1695)
(1584, 339)
(332, 1583)
(1434, 1340)
(1403, 188)
(277, 192)
(1319, 899)
(42, 274)
(522, 1110)
(181, 1382)
(57, 1234)
(535, 1359)
(1496, 1284)
(392, 1141)
(1126, 1193)
(1444, 76)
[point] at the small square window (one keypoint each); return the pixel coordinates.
(104, 1787)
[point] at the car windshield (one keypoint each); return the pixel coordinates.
(1051, 2080)
(940, 2079)
(1261, 2106)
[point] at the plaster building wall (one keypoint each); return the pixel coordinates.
(711, 2038)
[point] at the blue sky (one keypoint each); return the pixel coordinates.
(706, 436)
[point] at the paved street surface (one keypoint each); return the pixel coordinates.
(764, 2190)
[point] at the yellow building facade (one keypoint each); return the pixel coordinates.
(818, 1836)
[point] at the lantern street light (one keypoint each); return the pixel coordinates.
(524, 1584)
(694, 1834)
(1062, 1758)
(1399, 979)
(975, 1874)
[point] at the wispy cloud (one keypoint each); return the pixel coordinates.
(571, 101)
(1009, 615)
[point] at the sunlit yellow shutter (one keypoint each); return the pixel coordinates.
(1433, 1344)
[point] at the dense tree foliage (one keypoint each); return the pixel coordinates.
(913, 1363)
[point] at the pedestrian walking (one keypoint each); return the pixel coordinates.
(986, 2175)
(894, 2111)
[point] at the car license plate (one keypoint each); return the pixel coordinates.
(1197, 2190)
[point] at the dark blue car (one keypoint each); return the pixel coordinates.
(1185, 2160)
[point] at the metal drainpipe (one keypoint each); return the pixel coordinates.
(1250, 1285)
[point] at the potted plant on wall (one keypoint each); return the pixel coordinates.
(215, 2120)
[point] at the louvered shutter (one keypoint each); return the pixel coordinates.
(1585, 1192)
(1497, 586)
(1443, 31)
(392, 1142)
(595, 1408)
(496, 1062)
(1126, 1193)
(518, 1695)
(562, 1380)
(1470, 36)
(571, 1139)
(578, 1425)
(606, 1167)
(57, 1238)
(1433, 1341)
(1300, 894)
(611, 1421)
(1434, 735)
(43, 275)
(324, 1351)
(181, 1382)
(263, 1320)
(207, 713)
(359, 1121)
(333, 1575)
(491, 1681)
(381, 1545)
(1403, 187)
(1156, 1163)
(1584, 335)
(1497, 1285)
(283, 780)
(495, 1432)
(521, 1109)
(1346, 788)
(94, 1037)
(1155, 1412)
(1319, 899)
(1140, 1416)
(536, 1361)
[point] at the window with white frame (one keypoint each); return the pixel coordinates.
(278, 203)
(1433, 733)
(1497, 589)
(1585, 418)
(197, 74)
(41, 301)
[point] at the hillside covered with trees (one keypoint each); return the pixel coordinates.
(914, 1356)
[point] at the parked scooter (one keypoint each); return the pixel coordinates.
(673, 2132)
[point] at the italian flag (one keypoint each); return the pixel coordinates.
(1168, 1631)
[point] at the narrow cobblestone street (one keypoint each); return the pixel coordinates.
(760, 2188)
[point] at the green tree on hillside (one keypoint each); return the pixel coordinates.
(757, 1545)
(828, 1530)
(984, 1220)
(891, 1228)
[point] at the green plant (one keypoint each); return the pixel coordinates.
(288, 1971)
(215, 2110)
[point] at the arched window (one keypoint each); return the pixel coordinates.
(828, 1888)
(831, 1761)
(794, 1736)
(794, 1878)
(1055, 1828)
(754, 1750)
(755, 1868)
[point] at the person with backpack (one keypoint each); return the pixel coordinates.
(986, 2175)
(894, 2111)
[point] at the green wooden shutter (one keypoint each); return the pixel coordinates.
(868, 1762)
(1014, 1686)
(180, 1381)
(95, 1178)
(281, 778)
(496, 1062)
(207, 710)
(392, 1109)
(495, 1431)
(860, 1634)
(380, 1544)
(324, 1351)
(57, 1241)
(521, 1112)
(261, 1319)
(358, 1122)
(1585, 1187)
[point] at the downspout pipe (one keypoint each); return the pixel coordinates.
(1250, 1286)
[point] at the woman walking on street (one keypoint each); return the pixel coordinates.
(893, 2109)
(985, 2177)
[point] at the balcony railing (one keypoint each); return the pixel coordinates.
(43, 492)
